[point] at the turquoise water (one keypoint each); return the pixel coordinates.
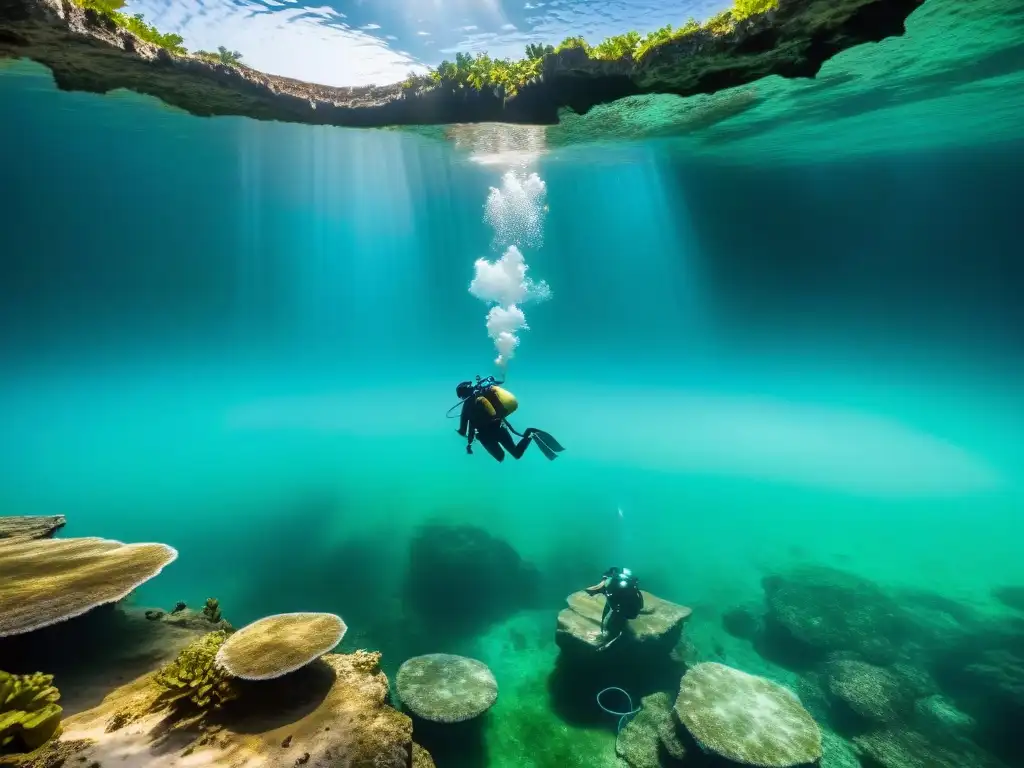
(241, 339)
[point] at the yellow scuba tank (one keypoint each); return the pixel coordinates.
(497, 403)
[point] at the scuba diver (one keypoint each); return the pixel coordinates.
(484, 417)
(623, 602)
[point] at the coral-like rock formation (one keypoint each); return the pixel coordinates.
(209, 619)
(46, 581)
(333, 712)
(828, 610)
(443, 688)
(899, 748)
(649, 739)
(86, 54)
(872, 692)
(654, 633)
(29, 713)
(196, 678)
(746, 718)
(30, 526)
(276, 645)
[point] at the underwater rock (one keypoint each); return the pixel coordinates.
(462, 578)
(30, 526)
(332, 712)
(649, 739)
(87, 52)
(653, 634)
(744, 623)
(837, 752)
(186, 618)
(1011, 597)
(276, 645)
(443, 688)
(938, 715)
(825, 609)
(745, 718)
(899, 748)
(421, 758)
(46, 581)
(872, 692)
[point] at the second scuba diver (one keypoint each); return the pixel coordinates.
(623, 602)
(485, 409)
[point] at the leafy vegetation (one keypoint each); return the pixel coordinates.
(222, 56)
(136, 24)
(508, 76)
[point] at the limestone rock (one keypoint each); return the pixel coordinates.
(640, 742)
(654, 633)
(87, 53)
(333, 712)
(872, 692)
(30, 526)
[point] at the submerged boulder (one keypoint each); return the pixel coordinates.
(460, 578)
(871, 692)
(826, 610)
(897, 747)
(652, 634)
(649, 739)
(443, 688)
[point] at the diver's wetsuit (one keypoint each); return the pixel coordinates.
(492, 433)
(623, 602)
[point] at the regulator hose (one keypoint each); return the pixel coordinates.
(623, 716)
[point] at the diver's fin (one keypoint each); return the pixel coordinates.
(548, 440)
(543, 447)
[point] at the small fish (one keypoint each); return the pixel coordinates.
(620, 513)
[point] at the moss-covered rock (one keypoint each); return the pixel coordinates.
(649, 740)
(872, 692)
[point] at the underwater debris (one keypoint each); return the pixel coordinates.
(194, 677)
(30, 526)
(276, 645)
(443, 688)
(746, 718)
(46, 581)
(29, 713)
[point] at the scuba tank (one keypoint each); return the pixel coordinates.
(497, 402)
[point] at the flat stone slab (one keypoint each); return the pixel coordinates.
(660, 623)
(30, 526)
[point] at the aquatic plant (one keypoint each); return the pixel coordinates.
(211, 611)
(29, 713)
(46, 581)
(276, 645)
(194, 679)
(222, 56)
(480, 71)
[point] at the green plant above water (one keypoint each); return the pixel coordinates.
(480, 71)
(137, 25)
